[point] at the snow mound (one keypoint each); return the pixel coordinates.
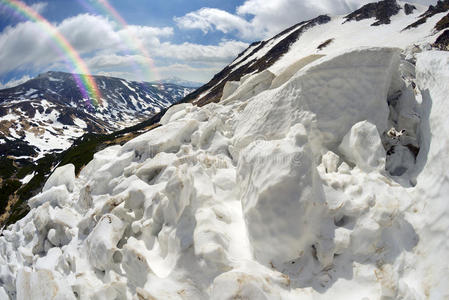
(280, 191)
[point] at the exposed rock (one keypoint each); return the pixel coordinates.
(443, 23)
(442, 41)
(441, 6)
(325, 44)
(409, 8)
(382, 11)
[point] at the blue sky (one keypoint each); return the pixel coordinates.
(191, 39)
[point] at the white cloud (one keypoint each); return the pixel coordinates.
(267, 18)
(223, 52)
(105, 46)
(183, 71)
(186, 52)
(187, 60)
(39, 7)
(188, 72)
(208, 19)
(29, 45)
(14, 82)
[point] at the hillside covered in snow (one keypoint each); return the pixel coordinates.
(321, 174)
(49, 112)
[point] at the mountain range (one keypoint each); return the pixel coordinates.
(313, 166)
(180, 82)
(48, 112)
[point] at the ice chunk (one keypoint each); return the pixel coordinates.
(103, 241)
(42, 284)
(64, 175)
(229, 88)
(293, 69)
(175, 112)
(252, 86)
(282, 201)
(363, 147)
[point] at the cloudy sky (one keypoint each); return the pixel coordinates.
(147, 39)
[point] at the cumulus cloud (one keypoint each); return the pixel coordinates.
(107, 47)
(256, 19)
(187, 60)
(39, 7)
(193, 73)
(186, 52)
(201, 73)
(223, 52)
(29, 45)
(103, 61)
(208, 19)
(104, 46)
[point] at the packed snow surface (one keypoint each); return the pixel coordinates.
(280, 191)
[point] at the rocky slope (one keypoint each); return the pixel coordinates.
(322, 176)
(48, 112)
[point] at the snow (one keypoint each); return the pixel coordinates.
(270, 194)
(13, 133)
(27, 178)
(54, 79)
(261, 52)
(362, 146)
(9, 117)
(252, 86)
(30, 92)
(134, 101)
(80, 123)
(355, 34)
(430, 193)
(125, 83)
(286, 189)
(64, 175)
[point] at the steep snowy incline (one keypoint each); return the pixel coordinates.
(385, 23)
(283, 193)
(431, 206)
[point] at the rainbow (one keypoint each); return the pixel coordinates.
(132, 41)
(86, 83)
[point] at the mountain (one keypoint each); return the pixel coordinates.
(48, 112)
(384, 23)
(180, 82)
(314, 166)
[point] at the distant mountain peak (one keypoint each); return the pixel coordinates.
(179, 81)
(382, 11)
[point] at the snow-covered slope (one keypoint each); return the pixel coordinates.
(387, 24)
(48, 112)
(324, 178)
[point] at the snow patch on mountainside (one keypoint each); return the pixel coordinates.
(277, 192)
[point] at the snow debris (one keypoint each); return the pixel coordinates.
(27, 178)
(287, 189)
